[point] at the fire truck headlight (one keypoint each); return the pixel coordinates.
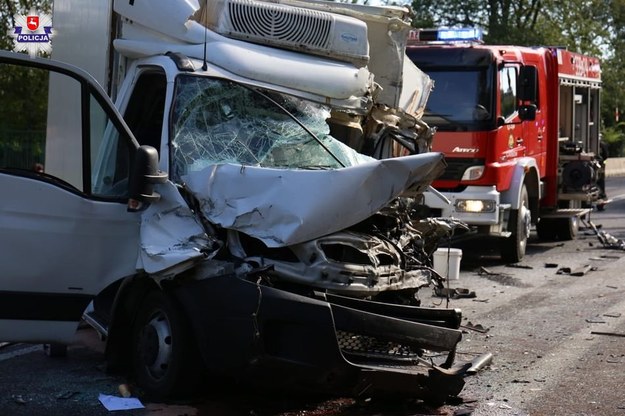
(474, 205)
(473, 173)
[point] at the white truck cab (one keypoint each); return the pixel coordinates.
(284, 229)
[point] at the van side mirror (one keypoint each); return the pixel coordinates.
(143, 175)
(528, 83)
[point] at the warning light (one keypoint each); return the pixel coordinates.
(444, 35)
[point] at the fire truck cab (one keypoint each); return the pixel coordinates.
(519, 128)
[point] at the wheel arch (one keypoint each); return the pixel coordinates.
(127, 301)
(525, 173)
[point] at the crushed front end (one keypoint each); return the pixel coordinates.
(318, 342)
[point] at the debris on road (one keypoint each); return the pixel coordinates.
(480, 362)
(112, 403)
(519, 266)
(610, 334)
(477, 327)
(454, 293)
(606, 239)
(580, 271)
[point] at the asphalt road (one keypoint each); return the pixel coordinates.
(541, 327)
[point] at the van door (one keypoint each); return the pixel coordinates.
(65, 233)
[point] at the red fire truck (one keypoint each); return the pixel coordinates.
(519, 128)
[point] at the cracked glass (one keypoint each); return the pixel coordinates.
(218, 121)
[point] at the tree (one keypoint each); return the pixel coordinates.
(22, 124)
(576, 24)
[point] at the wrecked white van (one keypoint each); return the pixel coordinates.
(272, 249)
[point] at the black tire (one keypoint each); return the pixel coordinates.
(165, 359)
(55, 350)
(513, 247)
(568, 228)
(546, 229)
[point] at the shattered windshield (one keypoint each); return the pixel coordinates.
(219, 121)
(459, 97)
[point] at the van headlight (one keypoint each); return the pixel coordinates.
(475, 205)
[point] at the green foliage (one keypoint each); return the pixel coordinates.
(23, 116)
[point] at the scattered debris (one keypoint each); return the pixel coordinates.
(606, 239)
(112, 403)
(580, 271)
(612, 314)
(453, 293)
(18, 399)
(519, 266)
(480, 362)
(66, 395)
(477, 328)
(612, 287)
(551, 265)
(484, 271)
(124, 390)
(610, 334)
(595, 320)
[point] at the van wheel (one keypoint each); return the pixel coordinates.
(513, 248)
(55, 350)
(165, 359)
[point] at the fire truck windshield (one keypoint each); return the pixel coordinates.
(462, 98)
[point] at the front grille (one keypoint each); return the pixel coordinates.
(362, 345)
(456, 167)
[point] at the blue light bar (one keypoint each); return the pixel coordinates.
(467, 34)
(464, 34)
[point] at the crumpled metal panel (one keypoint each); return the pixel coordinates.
(284, 207)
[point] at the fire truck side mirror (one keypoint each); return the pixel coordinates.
(527, 112)
(528, 82)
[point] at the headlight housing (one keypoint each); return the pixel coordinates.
(475, 205)
(473, 173)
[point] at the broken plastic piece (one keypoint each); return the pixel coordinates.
(457, 293)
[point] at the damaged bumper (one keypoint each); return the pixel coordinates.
(322, 343)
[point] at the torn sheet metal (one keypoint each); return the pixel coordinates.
(171, 234)
(347, 262)
(284, 207)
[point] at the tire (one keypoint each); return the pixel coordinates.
(165, 359)
(546, 229)
(568, 228)
(513, 247)
(55, 350)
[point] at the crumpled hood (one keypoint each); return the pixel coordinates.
(284, 207)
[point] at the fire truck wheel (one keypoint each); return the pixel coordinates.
(546, 229)
(567, 228)
(165, 359)
(513, 247)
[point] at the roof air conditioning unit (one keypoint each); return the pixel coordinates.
(299, 29)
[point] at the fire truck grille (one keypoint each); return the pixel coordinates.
(372, 347)
(456, 167)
